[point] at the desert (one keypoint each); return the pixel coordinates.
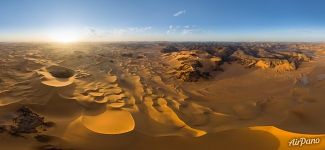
(161, 95)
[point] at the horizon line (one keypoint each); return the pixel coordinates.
(168, 41)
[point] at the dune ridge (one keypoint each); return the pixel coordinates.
(117, 94)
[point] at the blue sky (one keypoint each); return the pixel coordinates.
(168, 20)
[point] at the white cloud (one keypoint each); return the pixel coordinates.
(99, 34)
(117, 32)
(92, 30)
(187, 29)
(171, 29)
(181, 12)
(139, 29)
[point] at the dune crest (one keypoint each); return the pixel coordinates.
(110, 122)
(57, 76)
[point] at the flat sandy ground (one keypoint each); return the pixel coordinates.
(116, 97)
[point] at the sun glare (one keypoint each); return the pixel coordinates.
(64, 37)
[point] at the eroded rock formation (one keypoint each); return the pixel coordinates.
(27, 122)
(193, 65)
(279, 61)
(169, 49)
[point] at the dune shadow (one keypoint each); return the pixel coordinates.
(243, 139)
(234, 139)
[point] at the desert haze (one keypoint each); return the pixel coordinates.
(161, 95)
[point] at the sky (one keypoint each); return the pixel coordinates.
(162, 20)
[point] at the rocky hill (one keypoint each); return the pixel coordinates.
(191, 64)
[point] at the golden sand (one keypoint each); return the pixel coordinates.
(108, 99)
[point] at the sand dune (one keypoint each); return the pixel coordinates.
(110, 122)
(106, 96)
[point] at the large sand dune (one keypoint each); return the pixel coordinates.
(92, 96)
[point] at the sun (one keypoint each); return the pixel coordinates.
(64, 37)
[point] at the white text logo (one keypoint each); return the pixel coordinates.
(303, 141)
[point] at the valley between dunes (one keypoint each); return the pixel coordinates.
(119, 96)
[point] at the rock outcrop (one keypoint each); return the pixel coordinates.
(198, 60)
(193, 65)
(26, 122)
(279, 61)
(169, 49)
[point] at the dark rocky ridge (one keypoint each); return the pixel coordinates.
(192, 65)
(264, 56)
(169, 49)
(26, 122)
(279, 61)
